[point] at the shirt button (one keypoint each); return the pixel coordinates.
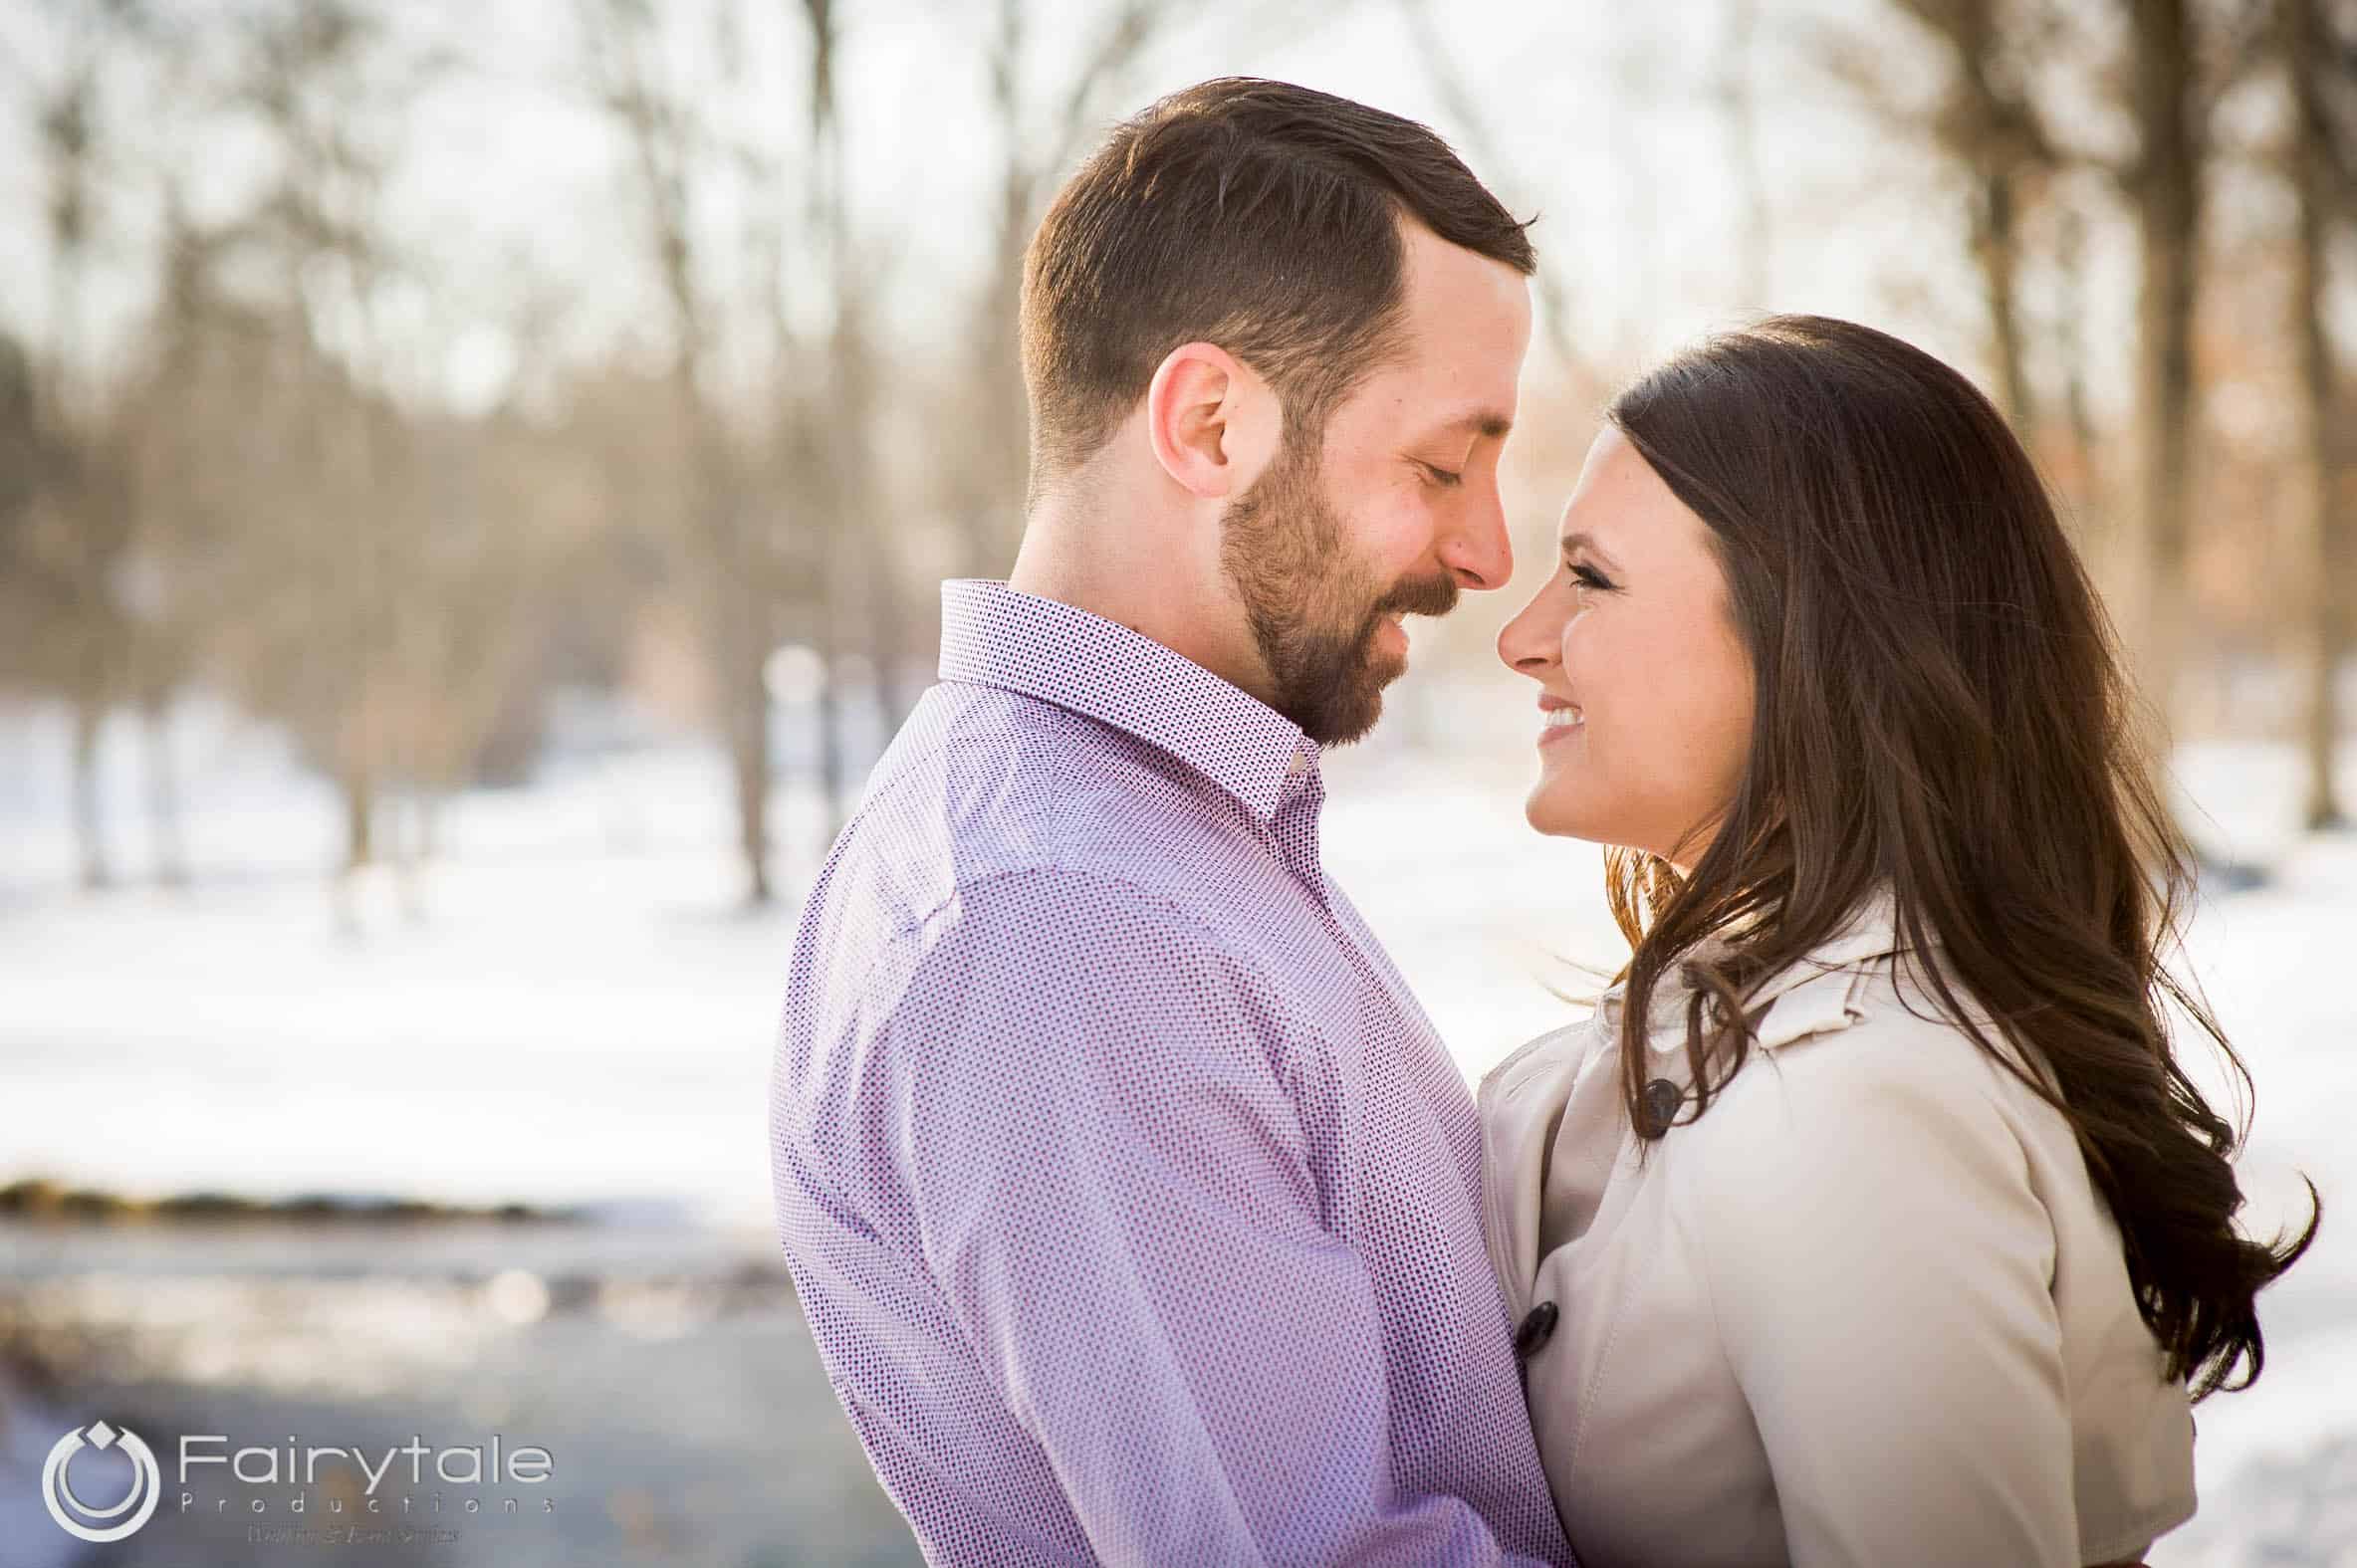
(1662, 1100)
(1538, 1324)
(1301, 762)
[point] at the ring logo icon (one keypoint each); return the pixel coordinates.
(69, 1510)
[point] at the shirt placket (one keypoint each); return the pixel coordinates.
(1293, 828)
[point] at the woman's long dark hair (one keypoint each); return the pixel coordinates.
(1940, 708)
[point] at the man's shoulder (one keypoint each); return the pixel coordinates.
(1035, 985)
(1047, 929)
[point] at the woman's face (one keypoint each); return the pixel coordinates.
(1644, 685)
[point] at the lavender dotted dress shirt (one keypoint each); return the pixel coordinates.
(1130, 1198)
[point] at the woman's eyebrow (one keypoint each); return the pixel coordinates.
(1587, 542)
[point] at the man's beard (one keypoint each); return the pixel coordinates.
(1313, 606)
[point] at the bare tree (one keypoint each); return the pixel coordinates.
(69, 126)
(1991, 129)
(170, 492)
(2321, 164)
(1984, 128)
(670, 151)
(2083, 482)
(333, 564)
(857, 572)
(2164, 186)
(862, 611)
(80, 532)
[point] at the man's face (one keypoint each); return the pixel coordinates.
(1398, 508)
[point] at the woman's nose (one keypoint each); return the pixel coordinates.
(1524, 646)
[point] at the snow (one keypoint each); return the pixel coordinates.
(568, 1006)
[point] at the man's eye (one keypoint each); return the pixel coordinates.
(1442, 475)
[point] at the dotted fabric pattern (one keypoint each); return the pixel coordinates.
(1131, 1199)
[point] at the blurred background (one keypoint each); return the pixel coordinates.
(474, 484)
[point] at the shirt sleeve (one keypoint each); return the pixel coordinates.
(1881, 1268)
(1121, 1204)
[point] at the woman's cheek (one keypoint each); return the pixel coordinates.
(1587, 656)
(1570, 642)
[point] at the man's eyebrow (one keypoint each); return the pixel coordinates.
(1479, 421)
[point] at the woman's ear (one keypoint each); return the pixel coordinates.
(1211, 421)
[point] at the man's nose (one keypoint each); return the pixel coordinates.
(1478, 551)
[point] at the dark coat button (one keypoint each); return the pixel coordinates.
(1538, 1324)
(1662, 1100)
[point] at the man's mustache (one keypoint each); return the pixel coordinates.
(1420, 596)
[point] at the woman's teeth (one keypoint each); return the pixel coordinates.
(1561, 719)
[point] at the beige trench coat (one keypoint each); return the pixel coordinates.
(1866, 1310)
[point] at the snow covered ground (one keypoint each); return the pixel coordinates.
(569, 1006)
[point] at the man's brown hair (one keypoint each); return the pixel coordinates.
(1255, 215)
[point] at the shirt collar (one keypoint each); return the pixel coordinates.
(996, 635)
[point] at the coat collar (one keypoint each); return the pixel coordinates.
(1524, 1099)
(1808, 996)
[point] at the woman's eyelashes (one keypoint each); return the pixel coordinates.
(1589, 577)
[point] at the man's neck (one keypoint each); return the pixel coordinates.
(1091, 555)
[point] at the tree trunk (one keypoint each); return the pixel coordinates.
(748, 694)
(861, 607)
(740, 655)
(90, 713)
(163, 795)
(2167, 189)
(1997, 248)
(360, 817)
(740, 645)
(2322, 627)
(666, 139)
(2085, 488)
(835, 762)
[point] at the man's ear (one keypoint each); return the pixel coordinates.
(1213, 422)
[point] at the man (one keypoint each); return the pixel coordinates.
(1131, 1199)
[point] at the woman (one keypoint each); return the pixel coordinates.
(1869, 1219)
